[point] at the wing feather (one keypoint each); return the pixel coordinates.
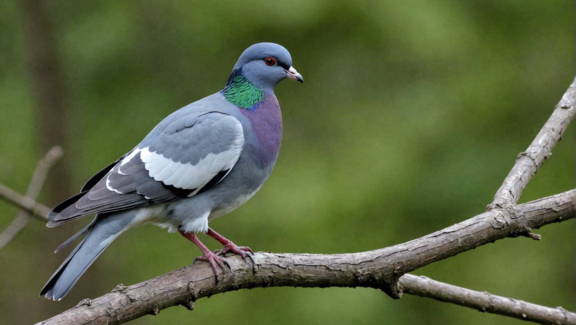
(189, 156)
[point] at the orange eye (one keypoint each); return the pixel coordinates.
(270, 60)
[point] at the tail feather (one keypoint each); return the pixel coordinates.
(50, 289)
(76, 236)
(102, 232)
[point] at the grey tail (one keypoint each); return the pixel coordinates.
(101, 233)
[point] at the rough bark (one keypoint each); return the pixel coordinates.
(537, 153)
(379, 269)
(484, 301)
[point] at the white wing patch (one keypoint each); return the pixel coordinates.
(125, 161)
(122, 163)
(130, 156)
(188, 176)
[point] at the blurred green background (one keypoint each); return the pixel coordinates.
(411, 116)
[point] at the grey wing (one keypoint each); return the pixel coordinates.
(190, 155)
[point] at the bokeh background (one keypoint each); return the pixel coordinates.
(411, 116)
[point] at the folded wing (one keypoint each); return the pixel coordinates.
(185, 157)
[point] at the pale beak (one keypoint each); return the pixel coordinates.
(294, 75)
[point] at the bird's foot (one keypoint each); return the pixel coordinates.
(207, 255)
(214, 260)
(231, 247)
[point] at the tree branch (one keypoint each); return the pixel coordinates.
(485, 302)
(379, 269)
(37, 209)
(528, 162)
(38, 178)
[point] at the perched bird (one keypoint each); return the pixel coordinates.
(200, 163)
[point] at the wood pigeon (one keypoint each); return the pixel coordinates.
(198, 164)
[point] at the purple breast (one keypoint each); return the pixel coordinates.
(266, 123)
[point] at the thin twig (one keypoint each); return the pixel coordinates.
(36, 209)
(38, 178)
(484, 301)
(528, 162)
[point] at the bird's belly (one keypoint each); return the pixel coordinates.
(238, 201)
(157, 215)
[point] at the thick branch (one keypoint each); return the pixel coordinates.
(378, 269)
(485, 302)
(26, 203)
(528, 162)
(38, 178)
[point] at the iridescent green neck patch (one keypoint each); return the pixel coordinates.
(241, 92)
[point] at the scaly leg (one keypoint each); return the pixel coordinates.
(207, 256)
(229, 246)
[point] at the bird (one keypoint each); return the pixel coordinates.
(198, 164)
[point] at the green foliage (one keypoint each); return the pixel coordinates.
(411, 116)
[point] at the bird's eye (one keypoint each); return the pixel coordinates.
(270, 60)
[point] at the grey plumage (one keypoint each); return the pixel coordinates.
(101, 235)
(198, 164)
(182, 139)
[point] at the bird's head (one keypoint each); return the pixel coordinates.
(266, 64)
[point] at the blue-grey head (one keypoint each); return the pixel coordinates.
(257, 71)
(266, 64)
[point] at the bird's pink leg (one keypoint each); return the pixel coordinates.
(228, 245)
(207, 256)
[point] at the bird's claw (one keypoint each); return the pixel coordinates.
(245, 252)
(240, 250)
(214, 260)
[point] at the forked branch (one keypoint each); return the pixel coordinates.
(38, 178)
(378, 269)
